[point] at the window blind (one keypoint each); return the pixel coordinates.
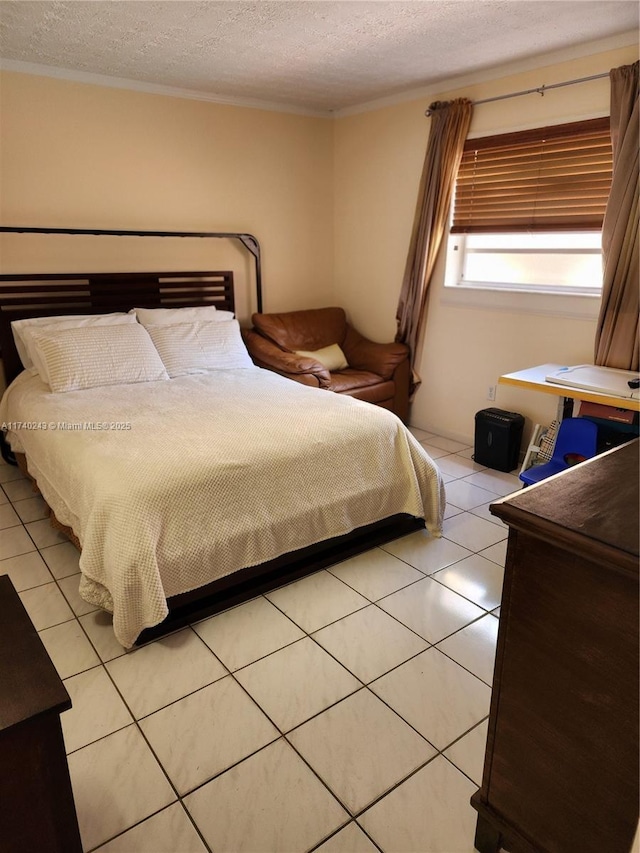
(547, 179)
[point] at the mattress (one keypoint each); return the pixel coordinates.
(170, 485)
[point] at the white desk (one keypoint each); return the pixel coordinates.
(534, 378)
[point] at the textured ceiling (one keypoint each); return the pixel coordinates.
(311, 55)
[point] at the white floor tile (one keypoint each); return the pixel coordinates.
(468, 453)
(97, 709)
(496, 553)
(296, 683)
(468, 752)
(375, 573)
(369, 642)
(450, 510)
(69, 648)
(351, 839)
(19, 489)
(168, 831)
(205, 733)
(472, 532)
(98, 626)
(165, 670)
(483, 511)
(361, 749)
(429, 812)
(63, 559)
(447, 444)
(458, 466)
(46, 606)
(496, 481)
(26, 570)
(116, 783)
(8, 517)
(437, 697)
(465, 495)
(9, 473)
(474, 647)
(317, 600)
(433, 451)
(476, 578)
(430, 609)
(15, 541)
(246, 633)
(31, 509)
(44, 534)
(269, 803)
(420, 434)
(3, 496)
(426, 553)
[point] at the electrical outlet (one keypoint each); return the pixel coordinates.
(491, 392)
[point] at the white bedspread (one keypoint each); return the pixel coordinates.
(217, 472)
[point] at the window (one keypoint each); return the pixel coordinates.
(528, 210)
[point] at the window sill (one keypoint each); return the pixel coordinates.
(575, 306)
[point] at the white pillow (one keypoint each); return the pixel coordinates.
(200, 347)
(332, 357)
(166, 316)
(23, 330)
(89, 357)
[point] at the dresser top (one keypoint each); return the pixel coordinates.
(596, 504)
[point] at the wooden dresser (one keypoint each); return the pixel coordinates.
(37, 812)
(561, 766)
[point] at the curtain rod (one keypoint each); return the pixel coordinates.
(539, 91)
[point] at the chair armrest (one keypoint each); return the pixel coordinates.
(363, 354)
(264, 353)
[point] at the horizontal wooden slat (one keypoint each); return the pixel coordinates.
(555, 178)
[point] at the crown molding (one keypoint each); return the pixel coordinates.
(155, 89)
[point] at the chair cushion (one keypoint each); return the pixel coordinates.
(303, 330)
(349, 380)
(330, 357)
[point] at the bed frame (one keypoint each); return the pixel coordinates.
(40, 295)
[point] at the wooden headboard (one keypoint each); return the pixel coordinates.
(50, 295)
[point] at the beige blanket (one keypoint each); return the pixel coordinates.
(187, 480)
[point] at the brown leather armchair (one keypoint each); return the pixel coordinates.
(377, 373)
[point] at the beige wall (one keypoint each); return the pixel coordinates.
(378, 160)
(76, 155)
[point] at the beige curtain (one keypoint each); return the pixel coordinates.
(616, 343)
(450, 122)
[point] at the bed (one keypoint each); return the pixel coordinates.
(190, 485)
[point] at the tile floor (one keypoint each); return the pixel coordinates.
(344, 713)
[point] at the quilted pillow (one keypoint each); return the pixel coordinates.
(332, 358)
(88, 357)
(200, 347)
(24, 330)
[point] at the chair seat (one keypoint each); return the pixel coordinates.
(541, 472)
(576, 441)
(350, 380)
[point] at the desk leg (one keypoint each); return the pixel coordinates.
(565, 408)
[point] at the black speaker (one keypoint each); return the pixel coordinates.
(497, 439)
